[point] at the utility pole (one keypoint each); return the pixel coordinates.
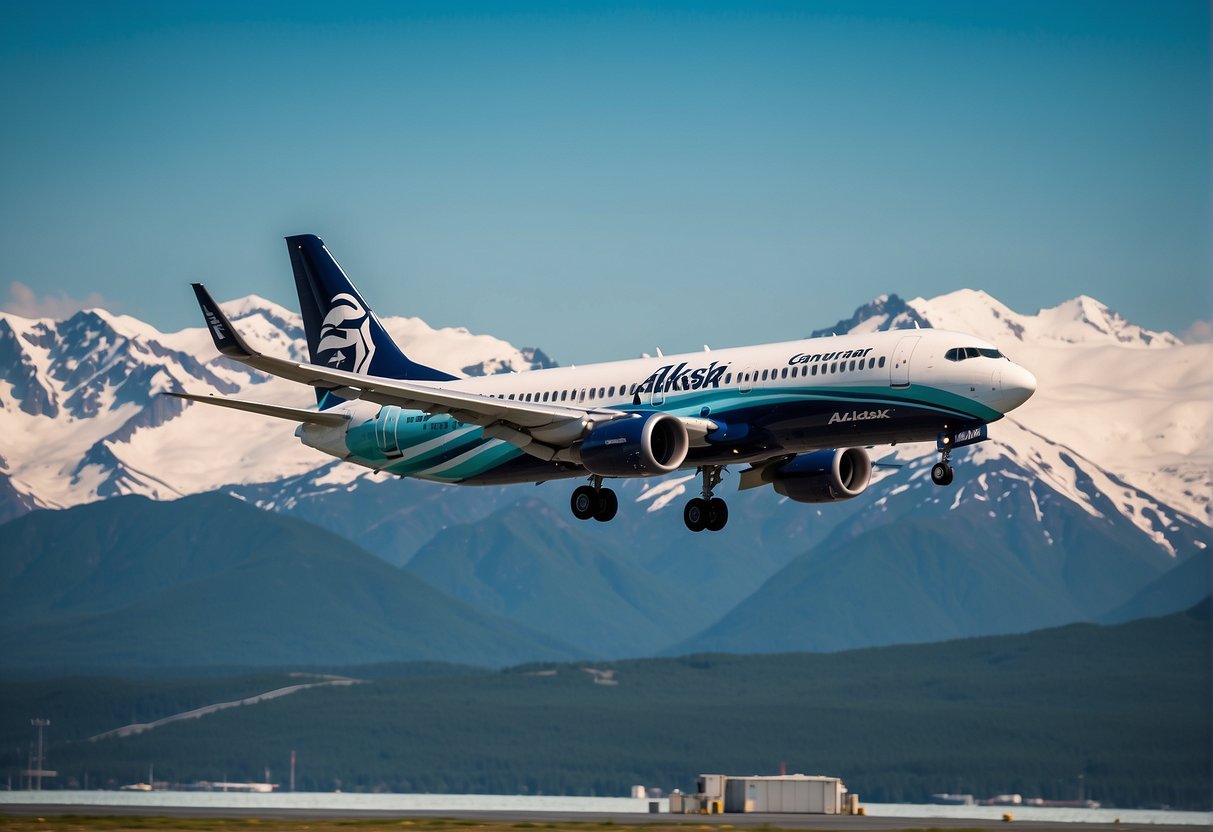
(40, 766)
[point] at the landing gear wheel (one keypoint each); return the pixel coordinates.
(718, 514)
(608, 504)
(941, 473)
(695, 515)
(585, 502)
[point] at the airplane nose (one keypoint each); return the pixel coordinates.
(1018, 385)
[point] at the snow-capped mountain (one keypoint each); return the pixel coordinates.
(80, 418)
(1137, 404)
(1082, 497)
(1120, 411)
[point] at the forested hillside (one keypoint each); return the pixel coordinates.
(1126, 707)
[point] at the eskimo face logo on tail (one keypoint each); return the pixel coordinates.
(345, 336)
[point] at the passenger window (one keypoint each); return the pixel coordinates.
(794, 372)
(511, 397)
(611, 392)
(592, 394)
(834, 368)
(871, 363)
(852, 364)
(601, 392)
(728, 378)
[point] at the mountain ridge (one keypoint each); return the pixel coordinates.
(211, 580)
(1110, 448)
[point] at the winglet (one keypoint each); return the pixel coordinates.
(227, 339)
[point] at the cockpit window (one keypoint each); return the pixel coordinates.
(961, 353)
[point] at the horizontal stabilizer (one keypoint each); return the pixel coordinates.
(295, 414)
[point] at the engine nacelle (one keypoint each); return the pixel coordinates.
(642, 446)
(824, 476)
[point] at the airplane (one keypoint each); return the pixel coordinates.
(799, 415)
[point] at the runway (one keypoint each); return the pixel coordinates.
(620, 822)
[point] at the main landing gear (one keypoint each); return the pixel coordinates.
(941, 472)
(707, 512)
(594, 501)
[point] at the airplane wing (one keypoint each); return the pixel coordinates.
(551, 425)
(297, 414)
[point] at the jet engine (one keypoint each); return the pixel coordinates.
(824, 476)
(644, 445)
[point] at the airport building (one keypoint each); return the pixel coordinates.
(782, 794)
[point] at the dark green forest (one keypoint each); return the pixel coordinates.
(1127, 708)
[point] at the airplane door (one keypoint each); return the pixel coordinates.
(899, 369)
(385, 431)
(657, 396)
(745, 380)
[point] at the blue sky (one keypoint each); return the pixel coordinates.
(599, 179)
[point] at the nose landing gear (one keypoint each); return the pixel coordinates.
(594, 501)
(941, 472)
(707, 512)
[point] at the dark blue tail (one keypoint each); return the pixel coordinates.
(341, 329)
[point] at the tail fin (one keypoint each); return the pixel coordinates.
(341, 329)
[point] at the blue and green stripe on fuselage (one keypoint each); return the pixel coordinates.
(758, 423)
